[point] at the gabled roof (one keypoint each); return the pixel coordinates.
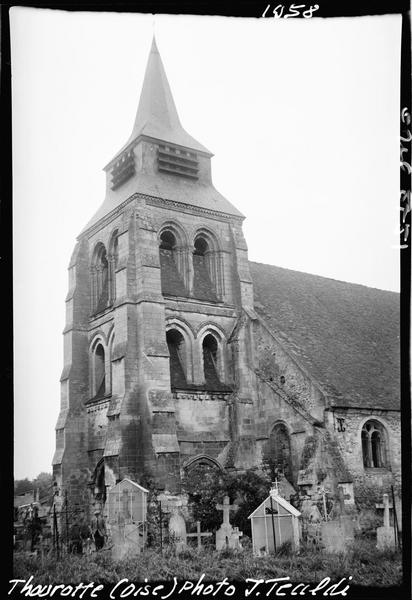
(279, 500)
(345, 335)
(126, 480)
(156, 114)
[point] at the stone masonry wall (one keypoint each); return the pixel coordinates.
(348, 435)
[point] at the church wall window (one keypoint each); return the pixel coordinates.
(207, 268)
(99, 371)
(210, 350)
(171, 264)
(374, 448)
(177, 358)
(100, 279)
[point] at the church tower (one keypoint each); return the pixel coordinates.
(160, 303)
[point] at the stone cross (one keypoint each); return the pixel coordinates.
(226, 507)
(385, 536)
(198, 535)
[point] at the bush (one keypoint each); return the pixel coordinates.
(207, 487)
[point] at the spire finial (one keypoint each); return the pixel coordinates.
(154, 45)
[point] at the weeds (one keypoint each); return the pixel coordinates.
(364, 562)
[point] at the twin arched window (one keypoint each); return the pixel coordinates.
(184, 271)
(103, 278)
(207, 365)
(374, 445)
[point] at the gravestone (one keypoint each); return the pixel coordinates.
(177, 527)
(338, 534)
(385, 535)
(227, 536)
(347, 488)
(126, 518)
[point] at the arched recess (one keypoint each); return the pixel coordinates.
(374, 444)
(110, 346)
(99, 368)
(213, 357)
(99, 276)
(173, 257)
(179, 339)
(207, 267)
(113, 260)
(202, 460)
(279, 451)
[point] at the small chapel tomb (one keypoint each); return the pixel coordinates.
(274, 522)
(126, 517)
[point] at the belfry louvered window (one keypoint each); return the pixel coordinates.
(123, 169)
(176, 161)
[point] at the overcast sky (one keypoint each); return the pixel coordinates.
(303, 119)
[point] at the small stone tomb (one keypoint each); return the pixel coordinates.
(274, 522)
(385, 536)
(227, 536)
(126, 517)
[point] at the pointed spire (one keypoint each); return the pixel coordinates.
(156, 114)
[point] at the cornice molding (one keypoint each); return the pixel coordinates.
(157, 201)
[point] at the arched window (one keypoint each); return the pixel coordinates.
(99, 371)
(113, 261)
(171, 278)
(280, 452)
(210, 362)
(100, 279)
(177, 362)
(373, 445)
(204, 287)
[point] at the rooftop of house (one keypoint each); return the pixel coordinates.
(345, 335)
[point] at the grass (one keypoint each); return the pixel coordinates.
(367, 565)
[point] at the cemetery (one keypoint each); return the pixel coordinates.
(161, 535)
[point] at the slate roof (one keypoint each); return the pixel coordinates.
(345, 335)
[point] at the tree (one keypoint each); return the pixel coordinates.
(21, 486)
(207, 486)
(43, 482)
